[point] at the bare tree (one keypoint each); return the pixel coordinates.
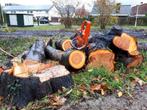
(66, 10)
(81, 12)
(105, 8)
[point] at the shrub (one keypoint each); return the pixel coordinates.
(113, 20)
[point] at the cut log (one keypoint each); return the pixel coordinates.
(126, 58)
(63, 44)
(74, 58)
(53, 53)
(101, 58)
(1, 70)
(133, 61)
(35, 87)
(126, 43)
(36, 52)
(71, 58)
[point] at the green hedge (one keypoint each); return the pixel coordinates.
(141, 21)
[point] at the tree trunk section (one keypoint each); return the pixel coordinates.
(101, 58)
(71, 58)
(20, 91)
(36, 52)
(126, 43)
(63, 44)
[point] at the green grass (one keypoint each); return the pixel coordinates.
(41, 27)
(61, 27)
(133, 27)
(142, 40)
(14, 46)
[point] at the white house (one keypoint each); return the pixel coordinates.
(49, 11)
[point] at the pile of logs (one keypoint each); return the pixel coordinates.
(101, 51)
(33, 75)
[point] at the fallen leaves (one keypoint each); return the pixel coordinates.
(83, 89)
(1, 100)
(139, 81)
(119, 94)
(99, 88)
(56, 101)
(1, 70)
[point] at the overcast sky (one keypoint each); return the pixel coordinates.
(45, 2)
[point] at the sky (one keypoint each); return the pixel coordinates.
(46, 2)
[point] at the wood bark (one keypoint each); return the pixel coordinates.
(71, 58)
(20, 91)
(36, 51)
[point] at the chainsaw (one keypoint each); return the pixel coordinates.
(80, 39)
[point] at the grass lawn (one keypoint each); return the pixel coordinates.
(61, 27)
(123, 83)
(41, 27)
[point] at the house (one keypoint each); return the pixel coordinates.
(49, 11)
(142, 10)
(20, 20)
(124, 11)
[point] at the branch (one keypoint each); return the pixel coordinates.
(6, 52)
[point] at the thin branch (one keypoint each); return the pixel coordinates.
(6, 52)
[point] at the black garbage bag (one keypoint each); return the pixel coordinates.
(115, 30)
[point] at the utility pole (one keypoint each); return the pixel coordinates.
(137, 12)
(136, 15)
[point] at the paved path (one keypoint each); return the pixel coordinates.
(138, 102)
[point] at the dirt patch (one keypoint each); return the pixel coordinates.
(29, 33)
(138, 102)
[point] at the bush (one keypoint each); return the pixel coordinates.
(113, 20)
(9, 29)
(141, 21)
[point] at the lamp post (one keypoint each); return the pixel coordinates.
(137, 12)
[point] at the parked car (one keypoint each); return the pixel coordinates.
(43, 20)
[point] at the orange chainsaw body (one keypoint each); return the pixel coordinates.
(82, 38)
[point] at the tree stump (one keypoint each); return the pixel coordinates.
(20, 91)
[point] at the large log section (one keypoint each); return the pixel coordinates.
(20, 91)
(71, 59)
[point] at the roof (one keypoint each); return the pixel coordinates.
(142, 9)
(28, 8)
(124, 10)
